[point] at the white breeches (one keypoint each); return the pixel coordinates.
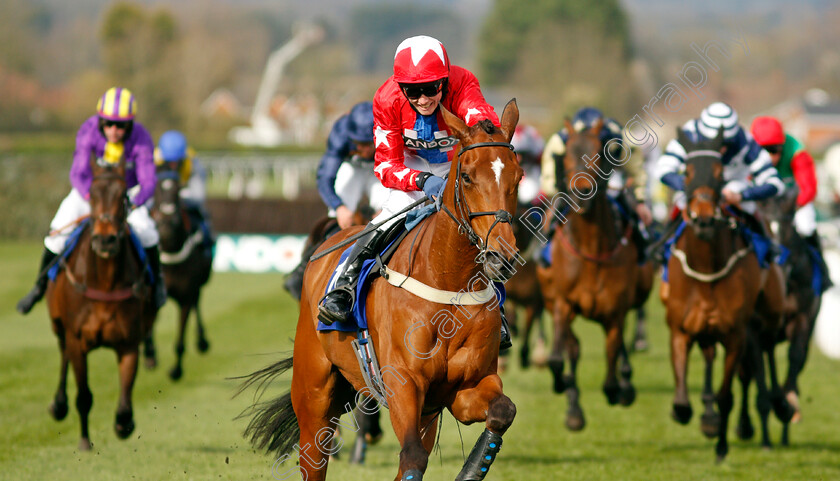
(398, 200)
(75, 206)
(351, 182)
(529, 186)
(805, 220)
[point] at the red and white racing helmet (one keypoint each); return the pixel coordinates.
(420, 59)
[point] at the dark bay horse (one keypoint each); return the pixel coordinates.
(715, 281)
(101, 298)
(185, 262)
(594, 273)
(801, 306)
(436, 355)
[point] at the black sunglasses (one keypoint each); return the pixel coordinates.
(115, 123)
(773, 149)
(415, 91)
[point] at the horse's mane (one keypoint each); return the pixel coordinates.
(487, 126)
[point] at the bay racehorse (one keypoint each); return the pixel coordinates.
(713, 291)
(594, 273)
(185, 260)
(101, 297)
(801, 306)
(434, 356)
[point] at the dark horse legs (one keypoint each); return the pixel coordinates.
(124, 423)
(58, 408)
(84, 398)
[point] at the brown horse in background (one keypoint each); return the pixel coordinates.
(714, 285)
(437, 356)
(184, 260)
(594, 273)
(101, 298)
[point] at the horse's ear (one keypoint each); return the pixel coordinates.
(596, 129)
(510, 117)
(95, 168)
(456, 125)
(719, 137)
(568, 124)
(681, 137)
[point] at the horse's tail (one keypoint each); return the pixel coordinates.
(273, 426)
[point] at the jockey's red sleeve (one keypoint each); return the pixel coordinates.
(805, 174)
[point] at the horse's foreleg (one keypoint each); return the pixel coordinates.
(201, 340)
(486, 402)
(562, 316)
(734, 347)
(614, 329)
(745, 429)
(525, 351)
(575, 421)
(640, 342)
(406, 406)
(124, 422)
(797, 355)
(84, 398)
(710, 420)
(149, 350)
(183, 315)
(680, 346)
(58, 408)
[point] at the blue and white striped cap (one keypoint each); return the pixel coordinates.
(716, 115)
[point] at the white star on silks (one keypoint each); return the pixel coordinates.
(381, 137)
(471, 112)
(419, 46)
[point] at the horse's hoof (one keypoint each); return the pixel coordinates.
(150, 362)
(175, 373)
(611, 392)
(720, 458)
(85, 444)
(793, 400)
(203, 346)
(681, 413)
(744, 430)
(58, 410)
(575, 420)
(373, 438)
(640, 345)
(124, 425)
(783, 410)
(710, 425)
(556, 367)
(627, 395)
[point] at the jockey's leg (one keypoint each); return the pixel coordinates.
(639, 233)
(337, 305)
(28, 301)
(805, 221)
(144, 228)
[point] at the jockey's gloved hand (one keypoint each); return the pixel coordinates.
(431, 185)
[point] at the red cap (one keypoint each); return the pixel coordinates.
(767, 131)
(420, 59)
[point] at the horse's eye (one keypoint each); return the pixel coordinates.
(466, 179)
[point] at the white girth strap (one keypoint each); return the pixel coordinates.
(429, 293)
(712, 276)
(170, 258)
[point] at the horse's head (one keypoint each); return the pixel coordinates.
(166, 211)
(108, 207)
(780, 211)
(481, 193)
(581, 168)
(703, 182)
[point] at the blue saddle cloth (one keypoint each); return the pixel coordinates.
(818, 284)
(73, 241)
(758, 243)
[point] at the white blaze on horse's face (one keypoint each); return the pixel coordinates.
(497, 167)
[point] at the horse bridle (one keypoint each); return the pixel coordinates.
(109, 218)
(690, 195)
(465, 215)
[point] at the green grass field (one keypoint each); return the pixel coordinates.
(188, 430)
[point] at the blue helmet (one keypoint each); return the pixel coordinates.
(360, 127)
(586, 117)
(173, 146)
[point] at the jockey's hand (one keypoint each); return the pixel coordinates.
(344, 216)
(731, 197)
(432, 186)
(644, 213)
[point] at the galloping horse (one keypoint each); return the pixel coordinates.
(438, 355)
(801, 306)
(101, 298)
(714, 285)
(184, 260)
(594, 273)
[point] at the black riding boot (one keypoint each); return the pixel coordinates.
(814, 241)
(655, 249)
(153, 256)
(754, 223)
(337, 305)
(25, 304)
(504, 335)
